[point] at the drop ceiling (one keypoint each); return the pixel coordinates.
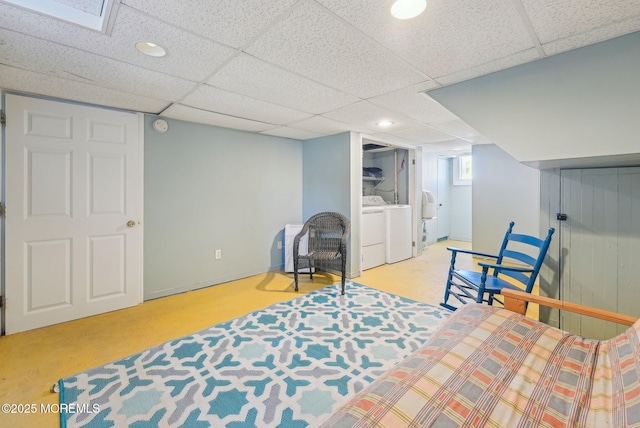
(297, 68)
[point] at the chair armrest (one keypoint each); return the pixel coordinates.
(514, 300)
(475, 253)
(303, 231)
(345, 235)
(503, 267)
(297, 238)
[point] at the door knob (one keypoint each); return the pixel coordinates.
(131, 223)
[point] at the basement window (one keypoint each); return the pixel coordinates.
(462, 170)
(94, 14)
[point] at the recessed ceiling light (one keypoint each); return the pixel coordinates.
(457, 150)
(151, 49)
(407, 9)
(384, 123)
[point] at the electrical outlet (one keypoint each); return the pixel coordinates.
(279, 245)
(218, 254)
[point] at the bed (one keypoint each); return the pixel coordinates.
(489, 366)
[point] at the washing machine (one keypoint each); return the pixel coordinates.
(373, 237)
(398, 240)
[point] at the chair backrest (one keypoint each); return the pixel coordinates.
(328, 231)
(523, 249)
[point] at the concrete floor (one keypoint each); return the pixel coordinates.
(32, 361)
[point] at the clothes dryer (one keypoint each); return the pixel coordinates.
(398, 239)
(398, 225)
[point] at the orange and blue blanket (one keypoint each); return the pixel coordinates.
(489, 367)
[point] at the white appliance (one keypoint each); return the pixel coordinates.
(398, 240)
(290, 232)
(373, 201)
(398, 222)
(373, 237)
(429, 205)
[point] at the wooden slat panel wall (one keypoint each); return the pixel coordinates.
(600, 244)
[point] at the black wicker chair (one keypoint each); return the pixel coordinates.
(328, 234)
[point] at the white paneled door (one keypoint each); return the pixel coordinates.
(74, 207)
(444, 197)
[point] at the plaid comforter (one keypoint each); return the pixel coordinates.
(490, 367)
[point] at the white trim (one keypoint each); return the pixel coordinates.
(141, 118)
(2, 198)
(355, 251)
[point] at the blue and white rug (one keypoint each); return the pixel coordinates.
(289, 365)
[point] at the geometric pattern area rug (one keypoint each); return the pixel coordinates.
(289, 365)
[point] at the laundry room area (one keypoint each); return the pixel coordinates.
(447, 176)
(387, 233)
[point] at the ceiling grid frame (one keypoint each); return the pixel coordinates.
(424, 122)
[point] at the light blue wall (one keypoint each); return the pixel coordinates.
(460, 215)
(327, 175)
(504, 190)
(584, 103)
(209, 188)
(332, 180)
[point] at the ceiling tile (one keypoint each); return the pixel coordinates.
(414, 103)
(325, 126)
(317, 45)
(456, 128)
(249, 76)
(287, 132)
(490, 67)
(35, 83)
(481, 139)
(591, 37)
(451, 147)
(367, 115)
(449, 36)
(188, 56)
(50, 58)
(422, 134)
(190, 114)
(231, 22)
(553, 20)
(219, 101)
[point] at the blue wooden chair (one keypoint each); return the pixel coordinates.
(474, 286)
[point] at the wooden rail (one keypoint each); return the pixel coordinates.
(515, 302)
